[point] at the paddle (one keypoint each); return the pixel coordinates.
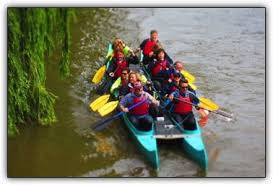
(105, 85)
(188, 76)
(101, 71)
(99, 75)
(99, 102)
(220, 112)
(102, 124)
(107, 108)
(208, 103)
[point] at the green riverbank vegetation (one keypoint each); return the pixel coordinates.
(33, 33)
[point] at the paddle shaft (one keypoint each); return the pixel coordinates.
(220, 112)
(101, 125)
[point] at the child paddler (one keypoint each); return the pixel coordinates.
(119, 45)
(120, 62)
(128, 78)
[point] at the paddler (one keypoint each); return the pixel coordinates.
(173, 84)
(139, 116)
(183, 100)
(124, 88)
(133, 77)
(158, 69)
(158, 46)
(147, 46)
(119, 62)
(119, 45)
(177, 68)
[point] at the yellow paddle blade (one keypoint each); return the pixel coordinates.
(204, 106)
(99, 74)
(208, 104)
(194, 87)
(143, 78)
(99, 102)
(188, 76)
(115, 85)
(107, 108)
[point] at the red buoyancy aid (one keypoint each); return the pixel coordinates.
(173, 88)
(182, 107)
(120, 65)
(171, 76)
(159, 66)
(149, 46)
(143, 108)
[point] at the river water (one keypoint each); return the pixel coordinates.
(224, 48)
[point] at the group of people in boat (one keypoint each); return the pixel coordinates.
(165, 78)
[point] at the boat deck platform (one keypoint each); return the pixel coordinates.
(164, 129)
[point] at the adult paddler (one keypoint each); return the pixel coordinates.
(139, 116)
(183, 100)
(147, 46)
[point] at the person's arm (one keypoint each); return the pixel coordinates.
(127, 51)
(170, 99)
(143, 44)
(124, 90)
(151, 66)
(133, 59)
(194, 99)
(168, 65)
(152, 99)
(168, 58)
(124, 103)
(173, 95)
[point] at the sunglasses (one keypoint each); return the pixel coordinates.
(124, 73)
(137, 88)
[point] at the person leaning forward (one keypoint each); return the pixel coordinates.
(139, 116)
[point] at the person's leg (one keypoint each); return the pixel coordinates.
(154, 112)
(189, 123)
(177, 118)
(135, 121)
(146, 123)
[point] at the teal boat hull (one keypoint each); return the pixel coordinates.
(194, 146)
(145, 141)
